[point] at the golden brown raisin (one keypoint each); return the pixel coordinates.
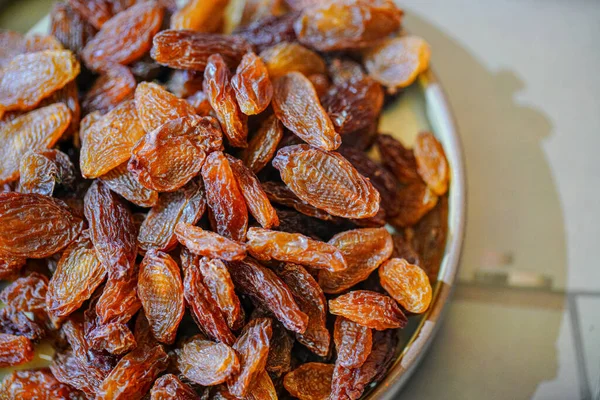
(169, 387)
(35, 384)
(414, 201)
(327, 181)
(97, 12)
(364, 250)
(40, 171)
(200, 16)
(14, 350)
(281, 194)
(310, 381)
(279, 361)
(297, 106)
(407, 284)
(122, 181)
(115, 85)
(70, 28)
(429, 239)
(222, 98)
(253, 89)
(397, 62)
(289, 56)
(160, 290)
(262, 388)
(263, 144)
(209, 244)
(370, 309)
(269, 31)
(207, 363)
(353, 343)
(114, 337)
(124, 38)
(431, 162)
(119, 301)
(346, 25)
(398, 159)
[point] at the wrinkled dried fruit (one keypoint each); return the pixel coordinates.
(111, 229)
(14, 350)
(169, 387)
(269, 31)
(364, 250)
(158, 229)
(209, 244)
(111, 88)
(97, 12)
(119, 301)
(200, 102)
(269, 291)
(370, 309)
(407, 284)
(124, 38)
(40, 171)
(429, 239)
(345, 71)
(398, 61)
(115, 337)
(224, 197)
(160, 290)
(253, 89)
(35, 226)
(21, 323)
(263, 144)
(289, 56)
(10, 266)
(431, 162)
(78, 273)
(348, 24)
(222, 98)
(121, 181)
(265, 244)
(185, 83)
(256, 198)
(70, 28)
(310, 381)
(35, 131)
(281, 194)
(186, 49)
(297, 106)
(311, 300)
(252, 347)
(36, 384)
(155, 106)
(279, 361)
(27, 294)
(262, 388)
(327, 181)
(207, 363)
(107, 141)
(207, 315)
(353, 343)
(200, 16)
(414, 201)
(29, 78)
(141, 366)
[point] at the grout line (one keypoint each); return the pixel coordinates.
(584, 385)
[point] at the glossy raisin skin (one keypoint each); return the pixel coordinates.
(407, 284)
(253, 89)
(310, 381)
(370, 309)
(431, 163)
(208, 363)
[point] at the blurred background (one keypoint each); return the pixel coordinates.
(522, 78)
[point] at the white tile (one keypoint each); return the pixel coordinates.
(588, 308)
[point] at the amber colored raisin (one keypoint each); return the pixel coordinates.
(429, 239)
(311, 300)
(35, 226)
(170, 156)
(407, 284)
(185, 83)
(414, 201)
(255, 10)
(263, 144)
(115, 85)
(78, 274)
(262, 388)
(398, 159)
(18, 323)
(10, 266)
(344, 71)
(114, 337)
(209, 244)
(353, 342)
(265, 244)
(29, 78)
(370, 309)
(253, 89)
(27, 294)
(222, 98)
(289, 56)
(70, 28)
(205, 311)
(297, 106)
(200, 16)
(158, 229)
(186, 49)
(207, 363)
(36, 384)
(14, 350)
(119, 301)
(124, 38)
(269, 31)
(74, 371)
(111, 229)
(107, 141)
(431, 162)
(97, 12)
(40, 171)
(310, 381)
(200, 102)
(279, 361)
(224, 197)
(346, 25)
(327, 181)
(156, 106)
(281, 194)
(364, 250)
(397, 62)
(34, 131)
(121, 181)
(160, 290)
(134, 374)
(252, 347)
(169, 387)
(256, 198)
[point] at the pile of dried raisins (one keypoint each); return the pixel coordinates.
(187, 208)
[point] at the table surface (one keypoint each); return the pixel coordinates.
(522, 78)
